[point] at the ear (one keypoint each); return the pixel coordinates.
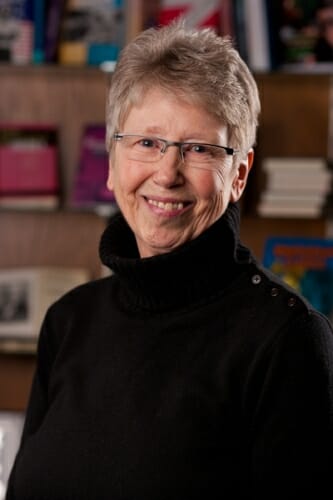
(241, 176)
(110, 183)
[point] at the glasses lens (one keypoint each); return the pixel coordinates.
(149, 149)
(204, 154)
(141, 148)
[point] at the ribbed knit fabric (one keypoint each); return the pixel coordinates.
(166, 282)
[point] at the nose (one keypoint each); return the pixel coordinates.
(167, 171)
(178, 145)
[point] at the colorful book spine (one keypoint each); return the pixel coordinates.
(16, 31)
(39, 18)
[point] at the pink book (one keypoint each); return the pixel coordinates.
(28, 160)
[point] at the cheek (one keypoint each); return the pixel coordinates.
(126, 178)
(211, 184)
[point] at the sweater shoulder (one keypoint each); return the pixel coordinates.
(281, 305)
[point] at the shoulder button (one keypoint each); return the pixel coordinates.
(291, 301)
(274, 292)
(256, 279)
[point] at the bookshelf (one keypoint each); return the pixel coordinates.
(295, 120)
(68, 98)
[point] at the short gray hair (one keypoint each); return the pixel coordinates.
(196, 64)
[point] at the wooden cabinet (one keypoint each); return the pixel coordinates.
(294, 121)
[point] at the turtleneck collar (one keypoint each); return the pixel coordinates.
(190, 274)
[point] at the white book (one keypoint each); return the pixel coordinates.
(292, 199)
(294, 164)
(320, 182)
(256, 35)
(269, 210)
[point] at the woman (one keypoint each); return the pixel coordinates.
(190, 372)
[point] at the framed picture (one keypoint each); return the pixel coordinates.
(26, 294)
(11, 426)
(17, 303)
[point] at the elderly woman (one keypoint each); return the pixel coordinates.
(191, 371)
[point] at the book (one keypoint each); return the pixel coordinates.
(227, 20)
(92, 32)
(16, 31)
(267, 209)
(11, 427)
(54, 17)
(256, 35)
(306, 182)
(29, 163)
(26, 293)
(295, 187)
(302, 33)
(39, 20)
(90, 191)
(292, 199)
(240, 28)
(297, 164)
(306, 264)
(195, 14)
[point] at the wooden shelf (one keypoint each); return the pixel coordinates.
(66, 97)
(63, 238)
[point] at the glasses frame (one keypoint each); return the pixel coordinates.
(179, 144)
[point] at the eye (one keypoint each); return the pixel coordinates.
(147, 142)
(199, 148)
(202, 152)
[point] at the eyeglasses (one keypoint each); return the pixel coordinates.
(150, 149)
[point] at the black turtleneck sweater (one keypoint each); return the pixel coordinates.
(191, 375)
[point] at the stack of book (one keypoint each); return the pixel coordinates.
(29, 167)
(295, 187)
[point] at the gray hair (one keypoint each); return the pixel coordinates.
(195, 64)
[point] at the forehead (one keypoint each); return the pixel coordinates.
(161, 112)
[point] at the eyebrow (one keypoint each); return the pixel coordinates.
(156, 131)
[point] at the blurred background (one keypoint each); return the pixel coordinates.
(56, 58)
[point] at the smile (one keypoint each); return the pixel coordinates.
(167, 206)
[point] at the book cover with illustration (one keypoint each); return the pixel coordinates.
(306, 264)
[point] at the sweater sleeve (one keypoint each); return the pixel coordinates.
(292, 419)
(38, 399)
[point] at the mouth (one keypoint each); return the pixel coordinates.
(167, 207)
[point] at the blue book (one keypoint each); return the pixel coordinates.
(39, 31)
(306, 264)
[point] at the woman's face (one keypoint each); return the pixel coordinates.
(168, 202)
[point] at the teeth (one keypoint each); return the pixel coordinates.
(166, 206)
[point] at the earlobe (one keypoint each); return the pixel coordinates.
(241, 176)
(109, 182)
